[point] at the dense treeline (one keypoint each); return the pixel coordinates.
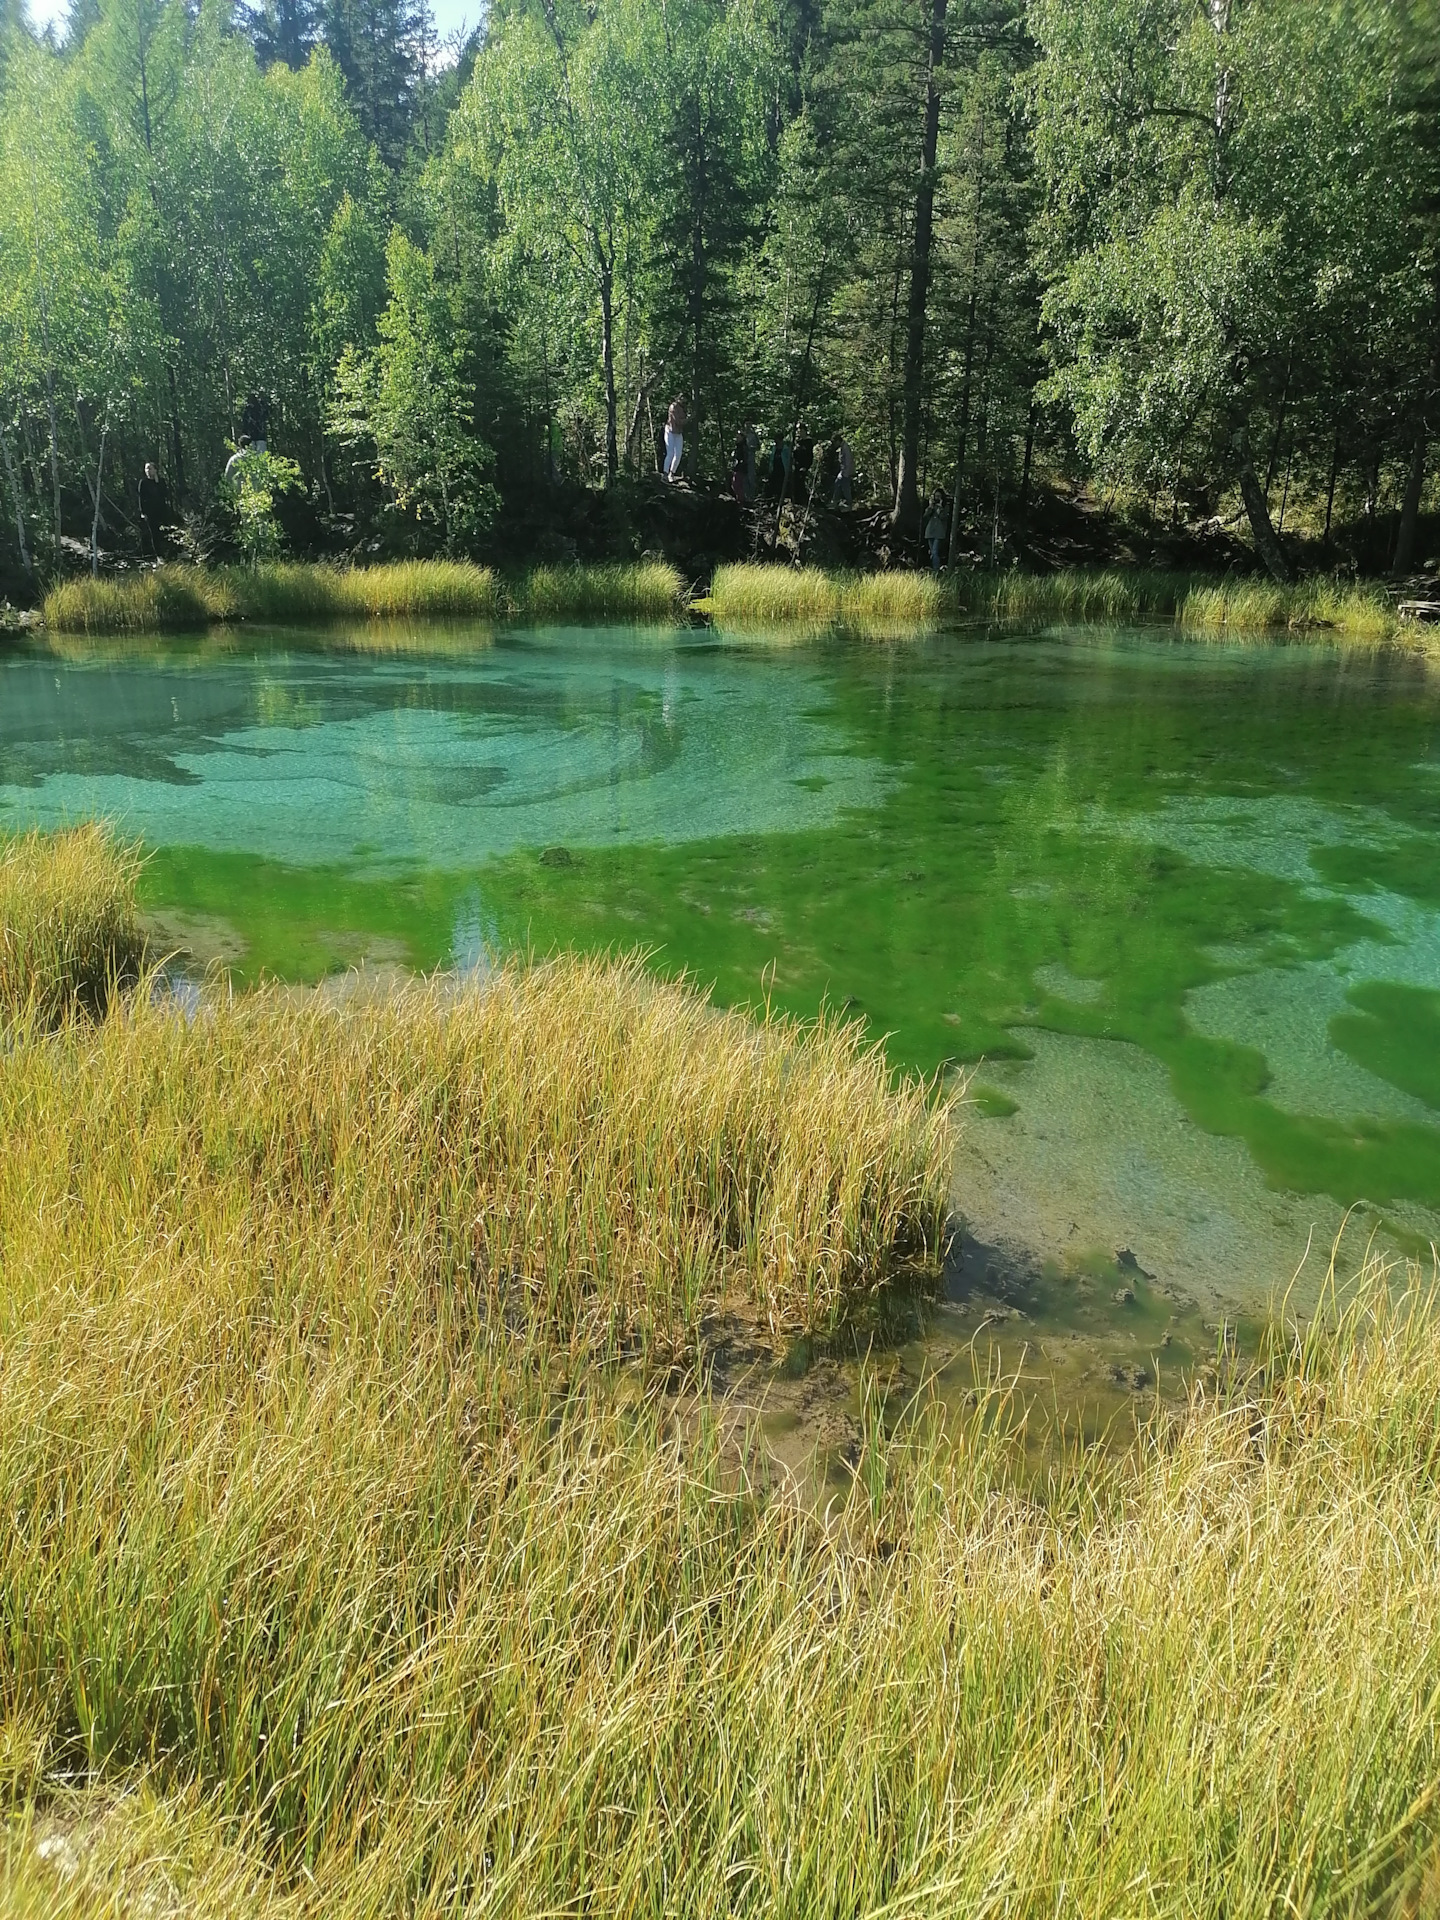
(1186, 247)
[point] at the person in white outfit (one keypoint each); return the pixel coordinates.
(674, 436)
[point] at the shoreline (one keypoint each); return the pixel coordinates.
(178, 598)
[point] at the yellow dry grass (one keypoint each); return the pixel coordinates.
(338, 1580)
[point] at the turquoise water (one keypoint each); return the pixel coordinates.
(1175, 906)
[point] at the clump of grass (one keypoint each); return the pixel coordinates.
(402, 589)
(893, 596)
(577, 1145)
(1354, 611)
(1073, 593)
(170, 599)
(644, 590)
(746, 595)
(180, 598)
(769, 595)
(177, 598)
(335, 1580)
(760, 595)
(69, 932)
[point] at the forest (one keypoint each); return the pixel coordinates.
(1179, 255)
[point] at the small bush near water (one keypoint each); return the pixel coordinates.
(336, 1580)
(186, 598)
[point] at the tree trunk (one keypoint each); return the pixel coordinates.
(99, 476)
(1410, 504)
(697, 280)
(964, 430)
(54, 452)
(1267, 543)
(607, 363)
(1279, 426)
(1330, 492)
(1415, 479)
(1030, 424)
(17, 501)
(906, 514)
(800, 395)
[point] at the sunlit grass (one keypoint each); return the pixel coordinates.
(642, 590)
(167, 598)
(187, 598)
(338, 1579)
(69, 932)
(774, 595)
(1356, 612)
(748, 595)
(401, 589)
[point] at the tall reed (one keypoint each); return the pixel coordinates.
(179, 598)
(642, 590)
(69, 932)
(746, 595)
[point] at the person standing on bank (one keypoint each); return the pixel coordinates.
(154, 507)
(779, 466)
(802, 460)
(937, 529)
(675, 437)
(844, 473)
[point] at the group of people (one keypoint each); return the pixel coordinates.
(787, 471)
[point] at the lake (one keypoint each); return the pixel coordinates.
(1173, 906)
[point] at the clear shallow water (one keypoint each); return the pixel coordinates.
(1181, 902)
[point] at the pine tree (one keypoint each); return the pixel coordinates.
(280, 30)
(381, 47)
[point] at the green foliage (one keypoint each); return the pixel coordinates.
(409, 398)
(1227, 191)
(252, 482)
(1175, 249)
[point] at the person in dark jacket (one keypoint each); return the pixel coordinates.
(803, 461)
(154, 508)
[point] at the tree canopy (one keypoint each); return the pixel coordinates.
(1187, 249)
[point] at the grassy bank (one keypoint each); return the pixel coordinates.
(337, 1580)
(764, 595)
(186, 598)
